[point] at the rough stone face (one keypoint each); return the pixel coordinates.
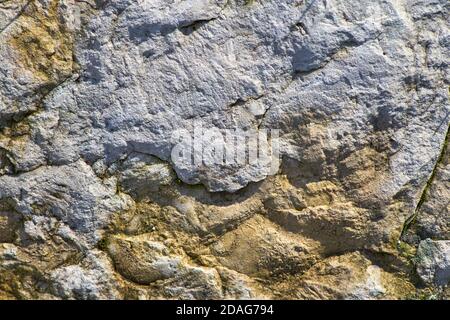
(433, 262)
(350, 276)
(101, 101)
(140, 175)
(434, 217)
(143, 261)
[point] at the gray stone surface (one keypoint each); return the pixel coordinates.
(92, 93)
(433, 262)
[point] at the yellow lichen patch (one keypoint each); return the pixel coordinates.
(162, 223)
(271, 239)
(352, 276)
(365, 166)
(364, 172)
(9, 223)
(43, 42)
(322, 193)
(398, 286)
(261, 248)
(19, 283)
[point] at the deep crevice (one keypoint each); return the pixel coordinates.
(194, 26)
(423, 197)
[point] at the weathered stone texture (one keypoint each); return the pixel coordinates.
(93, 204)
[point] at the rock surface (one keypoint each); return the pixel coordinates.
(433, 265)
(104, 103)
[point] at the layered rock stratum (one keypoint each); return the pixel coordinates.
(94, 205)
